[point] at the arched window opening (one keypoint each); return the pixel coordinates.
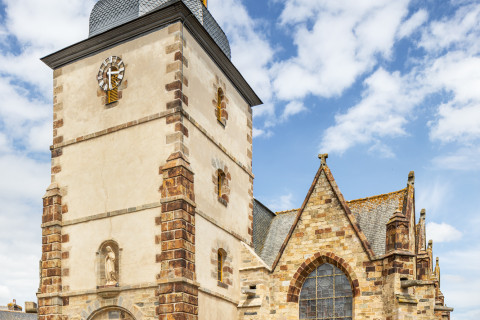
(219, 104)
(221, 254)
(326, 294)
(220, 182)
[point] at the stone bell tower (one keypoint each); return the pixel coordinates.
(151, 193)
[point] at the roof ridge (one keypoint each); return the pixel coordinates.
(350, 216)
(260, 203)
(378, 195)
(286, 211)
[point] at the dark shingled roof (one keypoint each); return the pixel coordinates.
(277, 233)
(262, 218)
(108, 14)
(373, 213)
(12, 315)
(270, 231)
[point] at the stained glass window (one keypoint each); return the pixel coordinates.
(326, 294)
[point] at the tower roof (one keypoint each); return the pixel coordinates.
(107, 14)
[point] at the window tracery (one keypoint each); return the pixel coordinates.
(326, 294)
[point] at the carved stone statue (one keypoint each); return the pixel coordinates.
(110, 272)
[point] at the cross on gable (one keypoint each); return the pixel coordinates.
(323, 158)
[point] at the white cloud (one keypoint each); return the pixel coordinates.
(20, 114)
(292, 109)
(4, 293)
(337, 41)
(381, 150)
(257, 133)
(413, 23)
(462, 314)
(457, 120)
(20, 249)
(457, 123)
(432, 196)
(51, 23)
(4, 143)
(460, 31)
(461, 283)
(283, 202)
(456, 72)
(266, 109)
(40, 137)
(461, 293)
(442, 232)
(23, 178)
(463, 159)
(383, 113)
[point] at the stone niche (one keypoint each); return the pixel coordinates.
(108, 267)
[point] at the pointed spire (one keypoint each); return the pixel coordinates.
(411, 178)
(421, 232)
(430, 255)
(437, 271)
(323, 158)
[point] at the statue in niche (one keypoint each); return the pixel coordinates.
(110, 272)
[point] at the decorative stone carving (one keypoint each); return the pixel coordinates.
(111, 277)
(108, 265)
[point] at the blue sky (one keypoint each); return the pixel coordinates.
(384, 87)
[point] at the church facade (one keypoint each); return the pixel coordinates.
(150, 212)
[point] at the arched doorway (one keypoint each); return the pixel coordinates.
(111, 313)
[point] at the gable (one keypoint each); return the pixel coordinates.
(324, 199)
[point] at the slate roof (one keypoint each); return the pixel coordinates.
(12, 315)
(271, 229)
(108, 14)
(373, 213)
(277, 233)
(262, 218)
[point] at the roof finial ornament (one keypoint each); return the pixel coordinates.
(323, 158)
(411, 178)
(423, 213)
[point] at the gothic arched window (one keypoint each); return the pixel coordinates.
(326, 294)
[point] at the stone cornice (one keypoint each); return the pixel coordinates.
(443, 308)
(177, 11)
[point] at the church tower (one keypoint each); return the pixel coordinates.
(151, 195)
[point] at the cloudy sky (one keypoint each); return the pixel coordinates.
(383, 86)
